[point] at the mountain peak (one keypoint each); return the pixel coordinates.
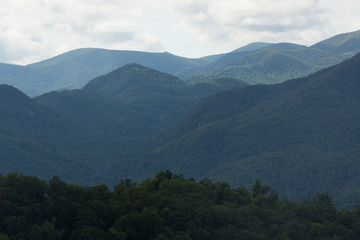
(10, 93)
(252, 46)
(287, 46)
(15, 106)
(133, 65)
(130, 77)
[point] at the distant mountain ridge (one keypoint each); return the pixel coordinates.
(301, 135)
(345, 44)
(196, 74)
(129, 79)
(155, 92)
(273, 63)
(94, 127)
(73, 69)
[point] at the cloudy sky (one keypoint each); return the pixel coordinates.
(33, 30)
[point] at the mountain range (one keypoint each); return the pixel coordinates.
(95, 124)
(273, 63)
(72, 70)
(300, 136)
(255, 63)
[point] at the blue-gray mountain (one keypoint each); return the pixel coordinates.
(72, 70)
(142, 99)
(345, 44)
(274, 63)
(37, 141)
(60, 132)
(254, 63)
(301, 136)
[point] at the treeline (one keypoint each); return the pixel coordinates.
(167, 206)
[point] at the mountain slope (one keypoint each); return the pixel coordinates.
(277, 65)
(74, 69)
(17, 108)
(301, 136)
(116, 111)
(132, 99)
(160, 95)
(346, 44)
(252, 46)
(104, 60)
(35, 140)
(276, 62)
(20, 76)
(106, 118)
(132, 82)
(222, 60)
(61, 132)
(272, 64)
(99, 128)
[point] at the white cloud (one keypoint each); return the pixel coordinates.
(232, 22)
(38, 29)
(229, 24)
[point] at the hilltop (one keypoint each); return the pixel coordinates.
(254, 63)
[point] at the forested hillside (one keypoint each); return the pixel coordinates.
(132, 101)
(72, 70)
(254, 63)
(300, 136)
(59, 132)
(272, 64)
(167, 206)
(345, 44)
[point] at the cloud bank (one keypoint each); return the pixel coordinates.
(39, 29)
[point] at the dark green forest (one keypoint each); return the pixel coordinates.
(300, 137)
(167, 206)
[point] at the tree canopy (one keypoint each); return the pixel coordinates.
(168, 206)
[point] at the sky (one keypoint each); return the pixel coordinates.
(34, 30)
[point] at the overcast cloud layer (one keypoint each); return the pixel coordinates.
(32, 30)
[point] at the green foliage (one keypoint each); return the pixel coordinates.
(46, 231)
(299, 135)
(4, 236)
(345, 43)
(272, 64)
(162, 97)
(168, 206)
(72, 70)
(58, 132)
